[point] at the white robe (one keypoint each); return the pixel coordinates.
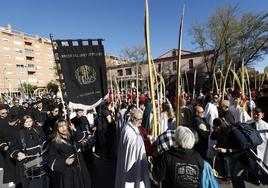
(240, 115)
(262, 149)
(132, 165)
(211, 112)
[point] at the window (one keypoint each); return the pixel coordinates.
(31, 73)
(29, 58)
(28, 50)
(174, 65)
(28, 43)
(18, 50)
(120, 72)
(174, 53)
(20, 66)
(128, 71)
(159, 68)
(30, 65)
(19, 58)
(17, 42)
(191, 63)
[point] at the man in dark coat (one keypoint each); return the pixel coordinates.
(225, 113)
(40, 113)
(7, 136)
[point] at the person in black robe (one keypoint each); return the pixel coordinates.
(65, 160)
(7, 136)
(106, 132)
(81, 123)
(3, 123)
(53, 116)
(29, 151)
(25, 109)
(14, 110)
(40, 113)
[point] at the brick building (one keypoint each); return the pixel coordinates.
(24, 58)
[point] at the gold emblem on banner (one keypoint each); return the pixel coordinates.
(85, 75)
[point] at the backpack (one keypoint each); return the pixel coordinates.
(252, 136)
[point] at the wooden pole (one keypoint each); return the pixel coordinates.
(194, 83)
(243, 79)
(187, 82)
(148, 50)
(178, 88)
(225, 79)
(137, 85)
(111, 82)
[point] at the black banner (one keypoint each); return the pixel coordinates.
(82, 70)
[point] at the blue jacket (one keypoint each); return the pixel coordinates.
(207, 179)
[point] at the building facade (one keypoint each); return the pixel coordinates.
(166, 64)
(24, 58)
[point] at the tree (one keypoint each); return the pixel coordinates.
(52, 87)
(135, 53)
(232, 37)
(28, 88)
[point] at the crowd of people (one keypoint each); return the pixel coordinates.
(40, 147)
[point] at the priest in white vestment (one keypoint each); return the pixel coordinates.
(132, 164)
(262, 127)
(211, 112)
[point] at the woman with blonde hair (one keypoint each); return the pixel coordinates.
(65, 159)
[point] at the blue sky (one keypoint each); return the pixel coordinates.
(119, 22)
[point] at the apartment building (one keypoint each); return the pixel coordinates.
(24, 58)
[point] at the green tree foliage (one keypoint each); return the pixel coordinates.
(28, 88)
(52, 87)
(233, 36)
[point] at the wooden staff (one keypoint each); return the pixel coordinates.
(187, 82)
(236, 79)
(126, 91)
(221, 78)
(225, 80)
(155, 75)
(118, 98)
(249, 92)
(233, 84)
(178, 89)
(111, 82)
(243, 78)
(148, 50)
(215, 80)
(137, 85)
(194, 83)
